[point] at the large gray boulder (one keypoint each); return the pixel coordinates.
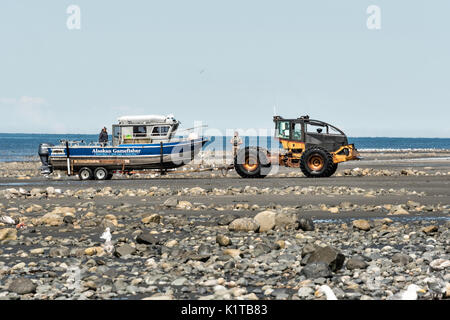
(22, 286)
(266, 220)
(305, 224)
(244, 224)
(316, 270)
(333, 258)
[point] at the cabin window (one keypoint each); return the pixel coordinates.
(297, 131)
(116, 132)
(283, 129)
(316, 128)
(160, 131)
(139, 131)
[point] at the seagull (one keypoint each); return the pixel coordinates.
(409, 294)
(7, 220)
(324, 289)
(106, 235)
(108, 246)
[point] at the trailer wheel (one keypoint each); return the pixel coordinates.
(100, 173)
(110, 175)
(316, 162)
(251, 163)
(85, 174)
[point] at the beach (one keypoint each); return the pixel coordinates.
(369, 231)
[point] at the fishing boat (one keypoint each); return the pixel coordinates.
(138, 143)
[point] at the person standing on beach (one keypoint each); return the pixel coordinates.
(235, 141)
(103, 137)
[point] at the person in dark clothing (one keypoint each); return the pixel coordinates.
(103, 137)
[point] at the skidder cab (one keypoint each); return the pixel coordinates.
(314, 146)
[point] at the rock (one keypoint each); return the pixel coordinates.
(361, 224)
(261, 249)
(243, 224)
(284, 221)
(171, 202)
(232, 252)
(153, 218)
(440, 264)
(197, 191)
(64, 211)
(124, 250)
(37, 251)
(171, 243)
(51, 219)
(22, 286)
(226, 220)
(266, 220)
(305, 224)
(147, 238)
(329, 256)
(68, 219)
(184, 205)
(401, 258)
(430, 229)
(397, 210)
(316, 270)
(280, 244)
(223, 240)
(59, 252)
(305, 292)
(333, 210)
(308, 248)
(93, 251)
(203, 249)
(179, 281)
(356, 263)
(8, 234)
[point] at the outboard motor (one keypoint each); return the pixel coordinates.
(46, 168)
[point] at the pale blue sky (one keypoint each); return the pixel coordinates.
(226, 63)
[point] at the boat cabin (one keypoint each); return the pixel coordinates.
(144, 129)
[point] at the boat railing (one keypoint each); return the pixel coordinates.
(74, 143)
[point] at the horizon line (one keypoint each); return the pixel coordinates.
(371, 137)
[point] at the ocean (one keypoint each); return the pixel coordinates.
(24, 146)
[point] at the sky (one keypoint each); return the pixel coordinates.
(230, 64)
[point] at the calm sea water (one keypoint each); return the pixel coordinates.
(24, 147)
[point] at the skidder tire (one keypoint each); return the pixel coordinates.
(100, 173)
(333, 169)
(252, 163)
(316, 162)
(85, 174)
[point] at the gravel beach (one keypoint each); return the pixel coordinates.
(368, 232)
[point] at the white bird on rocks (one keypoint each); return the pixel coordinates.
(324, 289)
(409, 294)
(7, 220)
(108, 246)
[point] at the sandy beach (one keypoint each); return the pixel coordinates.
(375, 227)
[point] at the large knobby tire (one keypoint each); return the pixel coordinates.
(333, 169)
(100, 173)
(316, 162)
(85, 174)
(252, 163)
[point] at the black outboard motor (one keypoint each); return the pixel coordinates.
(46, 168)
